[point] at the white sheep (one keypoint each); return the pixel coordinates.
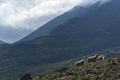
(80, 63)
(92, 58)
(101, 58)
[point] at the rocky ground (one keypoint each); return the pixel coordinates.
(102, 70)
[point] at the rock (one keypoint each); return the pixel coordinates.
(27, 77)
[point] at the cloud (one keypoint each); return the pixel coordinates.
(28, 15)
(15, 13)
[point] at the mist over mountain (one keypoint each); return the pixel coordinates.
(78, 33)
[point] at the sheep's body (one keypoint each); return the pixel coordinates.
(92, 59)
(101, 58)
(80, 63)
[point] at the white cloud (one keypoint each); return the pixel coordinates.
(13, 13)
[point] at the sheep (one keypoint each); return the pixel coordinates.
(80, 63)
(101, 58)
(92, 58)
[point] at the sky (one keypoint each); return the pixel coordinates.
(19, 18)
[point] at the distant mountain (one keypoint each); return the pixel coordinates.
(77, 11)
(95, 30)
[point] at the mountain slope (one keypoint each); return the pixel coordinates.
(75, 12)
(79, 36)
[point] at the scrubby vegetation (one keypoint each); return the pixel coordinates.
(100, 70)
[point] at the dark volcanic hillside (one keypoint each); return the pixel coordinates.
(79, 36)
